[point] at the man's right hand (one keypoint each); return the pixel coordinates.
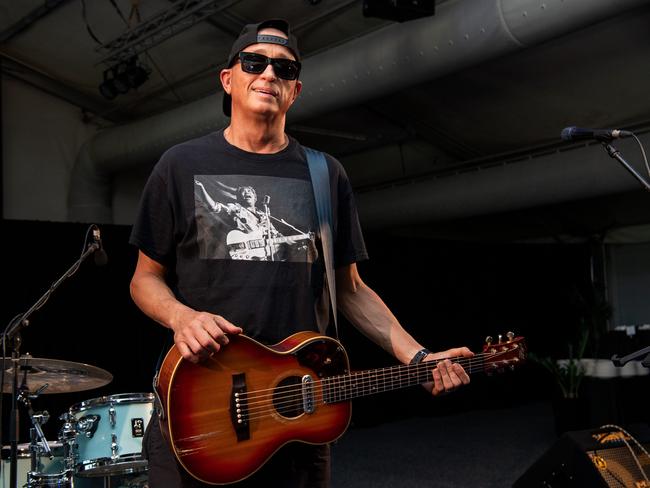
(199, 335)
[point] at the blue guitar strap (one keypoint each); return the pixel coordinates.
(320, 180)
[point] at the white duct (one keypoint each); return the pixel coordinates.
(461, 34)
(567, 175)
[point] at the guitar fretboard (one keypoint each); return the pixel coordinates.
(346, 387)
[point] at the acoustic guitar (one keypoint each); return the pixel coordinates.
(226, 416)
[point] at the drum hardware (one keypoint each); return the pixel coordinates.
(47, 469)
(88, 425)
(38, 419)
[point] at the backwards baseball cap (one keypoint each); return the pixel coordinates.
(250, 35)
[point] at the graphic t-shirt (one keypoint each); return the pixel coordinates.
(237, 232)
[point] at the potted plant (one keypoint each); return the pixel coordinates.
(568, 374)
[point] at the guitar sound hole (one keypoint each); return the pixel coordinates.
(287, 397)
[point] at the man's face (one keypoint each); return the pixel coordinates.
(248, 196)
(264, 94)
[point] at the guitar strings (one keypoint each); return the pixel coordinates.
(402, 368)
(365, 379)
(365, 383)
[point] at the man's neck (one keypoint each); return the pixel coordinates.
(257, 135)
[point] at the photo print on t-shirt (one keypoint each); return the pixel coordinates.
(254, 218)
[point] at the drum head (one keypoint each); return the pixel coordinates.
(119, 399)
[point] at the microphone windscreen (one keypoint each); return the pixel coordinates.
(567, 133)
(101, 258)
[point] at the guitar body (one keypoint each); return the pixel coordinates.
(254, 246)
(226, 416)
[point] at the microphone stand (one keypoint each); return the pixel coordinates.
(616, 154)
(621, 361)
(268, 247)
(12, 332)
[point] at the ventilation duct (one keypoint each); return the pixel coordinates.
(461, 34)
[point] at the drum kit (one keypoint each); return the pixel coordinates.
(100, 441)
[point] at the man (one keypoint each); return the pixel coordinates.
(204, 300)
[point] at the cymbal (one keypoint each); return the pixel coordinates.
(60, 376)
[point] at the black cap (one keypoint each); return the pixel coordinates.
(250, 35)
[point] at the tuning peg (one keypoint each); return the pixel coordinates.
(488, 340)
(510, 335)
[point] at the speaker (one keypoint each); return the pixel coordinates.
(605, 457)
(398, 10)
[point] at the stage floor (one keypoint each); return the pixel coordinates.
(482, 448)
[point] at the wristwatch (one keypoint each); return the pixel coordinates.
(420, 355)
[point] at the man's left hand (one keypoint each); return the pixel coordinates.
(448, 375)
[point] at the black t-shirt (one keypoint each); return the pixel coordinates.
(237, 232)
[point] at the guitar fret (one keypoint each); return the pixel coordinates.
(369, 382)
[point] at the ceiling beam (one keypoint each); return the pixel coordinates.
(51, 85)
(28, 20)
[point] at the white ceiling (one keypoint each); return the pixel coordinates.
(595, 77)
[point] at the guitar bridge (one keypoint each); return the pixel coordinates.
(239, 407)
(308, 404)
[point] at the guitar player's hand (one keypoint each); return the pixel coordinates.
(448, 376)
(199, 335)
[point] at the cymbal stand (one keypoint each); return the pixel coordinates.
(12, 333)
(38, 419)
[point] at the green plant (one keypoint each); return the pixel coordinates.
(567, 372)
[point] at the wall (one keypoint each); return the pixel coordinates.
(41, 136)
(629, 283)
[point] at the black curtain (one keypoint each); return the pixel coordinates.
(445, 293)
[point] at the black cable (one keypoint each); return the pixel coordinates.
(88, 28)
(119, 12)
(645, 159)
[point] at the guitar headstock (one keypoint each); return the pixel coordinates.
(505, 352)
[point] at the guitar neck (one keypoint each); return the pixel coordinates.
(283, 240)
(370, 382)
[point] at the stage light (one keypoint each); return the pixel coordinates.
(137, 74)
(119, 79)
(107, 88)
(398, 10)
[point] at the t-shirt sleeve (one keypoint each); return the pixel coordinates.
(152, 231)
(349, 246)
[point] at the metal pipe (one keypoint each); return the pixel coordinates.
(462, 33)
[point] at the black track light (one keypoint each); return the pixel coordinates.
(119, 79)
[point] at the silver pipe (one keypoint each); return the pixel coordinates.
(461, 34)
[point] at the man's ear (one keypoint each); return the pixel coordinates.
(296, 90)
(226, 79)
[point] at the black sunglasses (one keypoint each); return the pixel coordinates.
(287, 69)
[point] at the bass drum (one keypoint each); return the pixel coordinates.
(108, 434)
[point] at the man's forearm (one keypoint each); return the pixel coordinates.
(154, 297)
(368, 313)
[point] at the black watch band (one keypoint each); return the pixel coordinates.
(419, 356)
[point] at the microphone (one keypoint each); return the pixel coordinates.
(266, 200)
(580, 134)
(101, 258)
